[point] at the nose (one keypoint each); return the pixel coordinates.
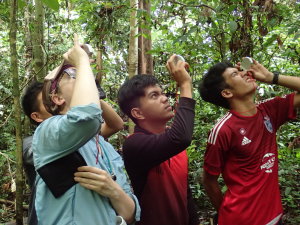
(243, 73)
(164, 98)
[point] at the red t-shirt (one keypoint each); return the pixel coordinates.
(244, 150)
(164, 198)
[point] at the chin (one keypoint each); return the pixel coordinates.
(171, 115)
(255, 86)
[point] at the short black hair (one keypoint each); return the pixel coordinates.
(213, 83)
(29, 99)
(130, 92)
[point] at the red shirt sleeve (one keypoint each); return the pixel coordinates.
(215, 155)
(280, 109)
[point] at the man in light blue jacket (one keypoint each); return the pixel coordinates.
(100, 192)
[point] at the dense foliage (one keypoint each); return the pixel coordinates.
(203, 32)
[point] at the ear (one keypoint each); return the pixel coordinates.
(226, 93)
(36, 117)
(137, 113)
(58, 100)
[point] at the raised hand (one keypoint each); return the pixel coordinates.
(260, 73)
(76, 54)
(177, 69)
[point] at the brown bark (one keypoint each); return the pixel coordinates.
(132, 52)
(28, 56)
(28, 43)
(99, 63)
(241, 43)
(38, 42)
(145, 60)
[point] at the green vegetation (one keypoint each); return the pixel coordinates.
(203, 32)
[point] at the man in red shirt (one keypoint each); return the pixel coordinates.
(242, 144)
(155, 157)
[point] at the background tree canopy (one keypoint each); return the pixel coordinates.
(203, 32)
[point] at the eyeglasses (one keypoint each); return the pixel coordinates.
(71, 72)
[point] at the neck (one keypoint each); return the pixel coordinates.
(65, 110)
(244, 108)
(153, 127)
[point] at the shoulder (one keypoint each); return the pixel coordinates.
(221, 128)
(134, 139)
(137, 135)
(136, 144)
(48, 124)
(27, 141)
(84, 113)
(277, 99)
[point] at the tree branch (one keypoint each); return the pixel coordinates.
(193, 6)
(11, 203)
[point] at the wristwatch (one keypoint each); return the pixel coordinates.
(275, 78)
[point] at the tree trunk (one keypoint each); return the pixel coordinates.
(17, 112)
(99, 63)
(222, 43)
(247, 43)
(28, 56)
(28, 43)
(132, 52)
(241, 44)
(38, 42)
(145, 64)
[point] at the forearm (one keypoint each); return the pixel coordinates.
(213, 190)
(181, 131)
(264, 75)
(112, 121)
(85, 90)
(101, 182)
(215, 196)
(186, 89)
(289, 82)
(123, 205)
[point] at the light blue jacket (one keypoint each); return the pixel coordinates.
(59, 136)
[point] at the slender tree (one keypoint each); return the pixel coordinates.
(99, 62)
(145, 63)
(133, 41)
(17, 111)
(28, 55)
(28, 43)
(38, 41)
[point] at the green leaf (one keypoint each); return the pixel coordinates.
(273, 22)
(53, 4)
(224, 189)
(287, 190)
(21, 4)
(233, 26)
(270, 40)
(297, 35)
(214, 25)
(108, 5)
(231, 8)
(292, 30)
